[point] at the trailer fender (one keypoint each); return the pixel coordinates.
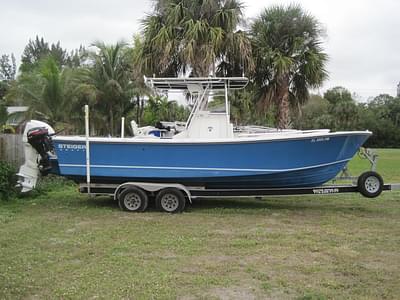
(151, 187)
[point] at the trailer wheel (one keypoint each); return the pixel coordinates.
(133, 199)
(170, 200)
(370, 184)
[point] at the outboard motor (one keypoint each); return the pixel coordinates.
(38, 146)
(40, 140)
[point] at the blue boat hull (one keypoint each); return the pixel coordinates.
(297, 162)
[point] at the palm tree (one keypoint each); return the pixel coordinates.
(108, 81)
(159, 108)
(199, 36)
(242, 108)
(288, 58)
(140, 90)
(49, 92)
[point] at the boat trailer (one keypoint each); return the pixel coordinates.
(172, 197)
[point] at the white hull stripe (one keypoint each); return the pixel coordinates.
(203, 169)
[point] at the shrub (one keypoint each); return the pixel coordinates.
(8, 180)
(47, 184)
(7, 129)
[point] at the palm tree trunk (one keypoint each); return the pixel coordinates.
(283, 102)
(141, 111)
(201, 70)
(138, 110)
(111, 121)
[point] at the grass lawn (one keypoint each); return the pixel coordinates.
(65, 245)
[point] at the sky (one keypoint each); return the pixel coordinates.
(362, 41)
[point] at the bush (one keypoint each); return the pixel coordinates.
(8, 180)
(46, 184)
(7, 129)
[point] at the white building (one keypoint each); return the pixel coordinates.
(16, 115)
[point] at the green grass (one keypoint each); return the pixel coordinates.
(388, 164)
(64, 245)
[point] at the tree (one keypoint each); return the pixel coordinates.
(314, 114)
(8, 67)
(49, 92)
(158, 108)
(108, 84)
(199, 36)
(77, 57)
(242, 110)
(34, 51)
(382, 117)
(342, 108)
(3, 114)
(345, 115)
(8, 70)
(288, 56)
(140, 90)
(38, 49)
(337, 95)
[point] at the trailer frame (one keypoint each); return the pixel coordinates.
(191, 192)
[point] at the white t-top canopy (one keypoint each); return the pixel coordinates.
(211, 83)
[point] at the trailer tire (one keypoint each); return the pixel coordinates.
(170, 200)
(133, 199)
(370, 184)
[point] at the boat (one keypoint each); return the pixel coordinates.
(207, 152)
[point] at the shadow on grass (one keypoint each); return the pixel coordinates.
(99, 202)
(243, 205)
(106, 202)
(275, 204)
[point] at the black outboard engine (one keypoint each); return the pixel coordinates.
(40, 140)
(37, 144)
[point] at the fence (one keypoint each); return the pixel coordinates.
(11, 149)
